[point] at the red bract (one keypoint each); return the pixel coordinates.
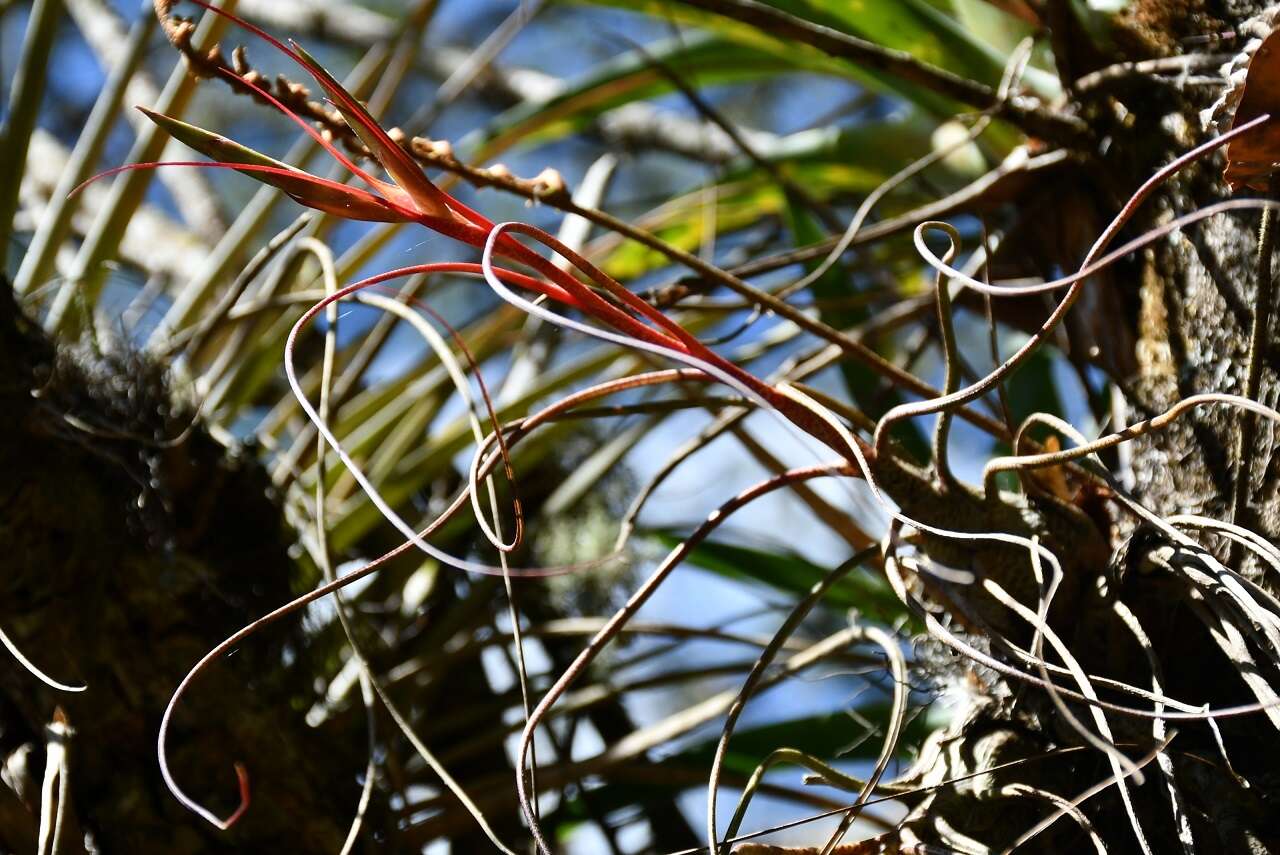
(412, 197)
(409, 197)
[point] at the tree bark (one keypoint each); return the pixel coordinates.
(1173, 321)
(126, 559)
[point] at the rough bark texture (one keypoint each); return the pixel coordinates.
(125, 561)
(1175, 322)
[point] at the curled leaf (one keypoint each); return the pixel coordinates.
(1253, 158)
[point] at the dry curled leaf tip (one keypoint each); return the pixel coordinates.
(1252, 90)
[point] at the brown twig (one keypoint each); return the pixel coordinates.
(243, 78)
(1123, 72)
(1259, 329)
(1049, 125)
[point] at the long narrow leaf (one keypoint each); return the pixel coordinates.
(54, 227)
(790, 573)
(24, 104)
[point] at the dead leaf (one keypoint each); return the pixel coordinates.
(1253, 158)
(1053, 479)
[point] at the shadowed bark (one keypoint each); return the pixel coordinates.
(126, 559)
(1174, 322)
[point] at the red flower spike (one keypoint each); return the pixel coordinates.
(413, 197)
(304, 188)
(380, 187)
(312, 191)
(426, 197)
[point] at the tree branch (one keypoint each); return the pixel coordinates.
(1046, 124)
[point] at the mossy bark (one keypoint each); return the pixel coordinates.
(126, 559)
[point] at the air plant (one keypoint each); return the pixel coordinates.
(410, 197)
(623, 318)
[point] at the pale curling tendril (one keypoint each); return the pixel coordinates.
(654, 341)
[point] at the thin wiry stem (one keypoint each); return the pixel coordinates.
(1158, 729)
(495, 535)
(31, 668)
(1035, 461)
(823, 774)
(1122, 72)
(329, 277)
(331, 587)
(849, 346)
(951, 381)
(192, 338)
(894, 567)
(792, 622)
(1099, 787)
(430, 667)
(1093, 261)
(895, 796)
(1121, 766)
(1259, 334)
(1017, 163)
(794, 370)
(1255, 542)
(893, 734)
(1068, 808)
(642, 594)
(1038, 121)
(1013, 70)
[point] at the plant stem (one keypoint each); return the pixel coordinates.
(1047, 124)
(950, 383)
(1258, 333)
